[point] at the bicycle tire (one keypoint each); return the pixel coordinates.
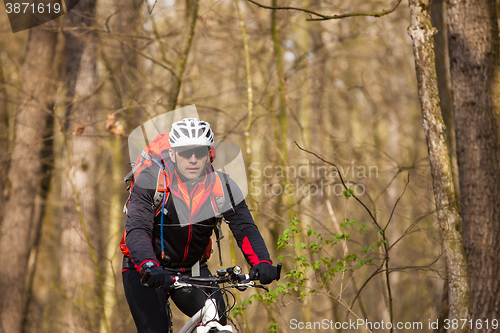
(170, 328)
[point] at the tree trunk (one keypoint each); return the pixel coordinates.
(282, 88)
(474, 55)
(80, 270)
(116, 311)
(25, 174)
(438, 16)
(4, 134)
(422, 32)
(191, 19)
(36, 256)
(113, 258)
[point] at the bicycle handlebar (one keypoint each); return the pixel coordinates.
(225, 276)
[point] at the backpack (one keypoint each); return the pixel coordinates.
(151, 155)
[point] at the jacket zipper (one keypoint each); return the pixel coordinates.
(190, 234)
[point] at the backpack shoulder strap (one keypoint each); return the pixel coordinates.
(162, 188)
(218, 200)
(218, 196)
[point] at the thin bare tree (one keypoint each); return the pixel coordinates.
(4, 133)
(186, 43)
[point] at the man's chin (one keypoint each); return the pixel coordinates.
(192, 175)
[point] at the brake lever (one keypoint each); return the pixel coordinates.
(261, 287)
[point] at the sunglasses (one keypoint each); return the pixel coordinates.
(199, 152)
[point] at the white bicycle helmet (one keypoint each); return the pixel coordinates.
(191, 132)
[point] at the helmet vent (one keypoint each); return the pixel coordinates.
(184, 131)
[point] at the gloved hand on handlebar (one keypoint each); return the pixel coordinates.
(155, 277)
(267, 272)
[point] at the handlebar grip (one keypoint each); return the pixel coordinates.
(278, 267)
(144, 278)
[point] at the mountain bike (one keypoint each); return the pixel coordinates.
(206, 320)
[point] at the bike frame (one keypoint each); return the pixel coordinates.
(207, 316)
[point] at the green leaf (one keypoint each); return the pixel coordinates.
(366, 249)
(348, 193)
(273, 328)
(300, 246)
(380, 242)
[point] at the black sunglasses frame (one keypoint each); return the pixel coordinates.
(199, 152)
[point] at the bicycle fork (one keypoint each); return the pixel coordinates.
(210, 318)
(207, 318)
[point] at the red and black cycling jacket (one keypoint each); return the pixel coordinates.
(188, 222)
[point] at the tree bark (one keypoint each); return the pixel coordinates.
(438, 18)
(25, 174)
(474, 55)
(80, 270)
(422, 33)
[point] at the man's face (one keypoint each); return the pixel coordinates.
(190, 160)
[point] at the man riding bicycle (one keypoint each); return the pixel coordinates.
(174, 236)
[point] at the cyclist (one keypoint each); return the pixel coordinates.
(188, 221)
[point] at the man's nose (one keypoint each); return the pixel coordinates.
(193, 159)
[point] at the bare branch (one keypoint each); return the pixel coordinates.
(409, 229)
(153, 7)
(377, 271)
(323, 17)
(397, 201)
(343, 183)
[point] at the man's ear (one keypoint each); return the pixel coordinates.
(171, 152)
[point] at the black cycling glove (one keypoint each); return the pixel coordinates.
(267, 272)
(155, 277)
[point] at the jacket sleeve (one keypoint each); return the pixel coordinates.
(242, 226)
(140, 218)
